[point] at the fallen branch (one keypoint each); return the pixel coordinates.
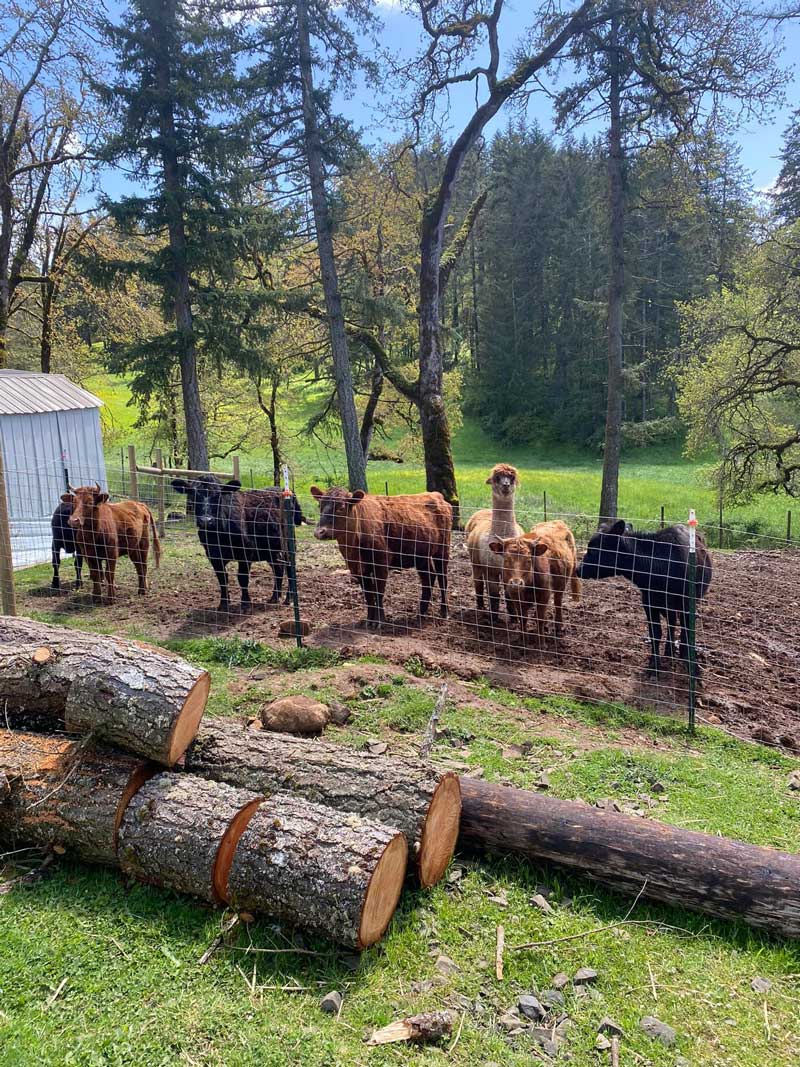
(219, 940)
(429, 736)
(498, 953)
(429, 1026)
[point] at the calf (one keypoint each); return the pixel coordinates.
(64, 538)
(658, 565)
(104, 532)
(241, 525)
(537, 568)
(377, 534)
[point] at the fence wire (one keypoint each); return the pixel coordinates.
(224, 571)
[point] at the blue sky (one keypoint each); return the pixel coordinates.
(760, 143)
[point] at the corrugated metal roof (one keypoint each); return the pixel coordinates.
(30, 393)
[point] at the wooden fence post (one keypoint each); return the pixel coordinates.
(7, 595)
(132, 471)
(160, 491)
(236, 471)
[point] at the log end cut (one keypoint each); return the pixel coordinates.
(440, 831)
(383, 892)
(227, 849)
(185, 727)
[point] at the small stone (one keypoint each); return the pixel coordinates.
(658, 787)
(377, 748)
(254, 724)
(543, 781)
(500, 898)
(584, 976)
(544, 1039)
(551, 998)
(539, 901)
(794, 780)
(602, 803)
(658, 1031)
(246, 917)
(331, 1002)
(608, 1026)
(444, 965)
(339, 713)
(511, 1023)
(423, 986)
(564, 1026)
(295, 715)
(761, 985)
(287, 628)
(560, 980)
(602, 1043)
(531, 1008)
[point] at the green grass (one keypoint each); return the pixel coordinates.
(135, 994)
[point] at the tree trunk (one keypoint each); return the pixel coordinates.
(128, 694)
(339, 877)
(63, 794)
(181, 832)
(410, 795)
(368, 420)
(698, 871)
(4, 308)
(356, 463)
(46, 343)
(609, 492)
(187, 343)
(274, 439)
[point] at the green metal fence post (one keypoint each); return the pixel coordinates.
(545, 505)
(692, 619)
(788, 525)
(288, 509)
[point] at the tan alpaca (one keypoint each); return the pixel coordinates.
(486, 525)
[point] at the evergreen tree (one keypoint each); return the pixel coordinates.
(787, 194)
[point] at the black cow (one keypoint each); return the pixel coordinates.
(657, 564)
(64, 538)
(242, 525)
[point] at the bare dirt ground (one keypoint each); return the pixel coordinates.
(749, 632)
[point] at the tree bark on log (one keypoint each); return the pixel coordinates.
(181, 832)
(65, 794)
(409, 794)
(127, 694)
(713, 875)
(337, 875)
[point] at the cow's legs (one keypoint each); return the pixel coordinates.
(672, 634)
(370, 598)
(558, 599)
(56, 582)
(654, 629)
(222, 578)
(425, 572)
(243, 577)
(139, 561)
(78, 568)
(380, 580)
(278, 571)
(494, 599)
(111, 570)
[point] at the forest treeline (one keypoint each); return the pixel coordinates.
(186, 203)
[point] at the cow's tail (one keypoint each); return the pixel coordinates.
(156, 542)
(574, 580)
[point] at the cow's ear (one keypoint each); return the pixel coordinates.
(356, 495)
(497, 544)
(231, 486)
(101, 498)
(316, 492)
(536, 548)
(180, 485)
(619, 528)
(68, 498)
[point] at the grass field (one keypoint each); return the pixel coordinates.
(94, 972)
(650, 478)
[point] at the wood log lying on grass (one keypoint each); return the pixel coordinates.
(64, 794)
(337, 874)
(409, 794)
(713, 875)
(125, 693)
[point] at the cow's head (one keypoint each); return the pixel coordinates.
(334, 510)
(518, 561)
(209, 499)
(605, 552)
(503, 479)
(85, 501)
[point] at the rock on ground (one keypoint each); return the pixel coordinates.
(295, 715)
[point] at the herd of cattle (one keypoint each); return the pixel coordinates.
(531, 569)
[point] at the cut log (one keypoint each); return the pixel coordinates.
(409, 794)
(126, 693)
(64, 794)
(337, 875)
(181, 832)
(713, 875)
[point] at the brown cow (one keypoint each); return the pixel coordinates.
(377, 534)
(537, 568)
(104, 532)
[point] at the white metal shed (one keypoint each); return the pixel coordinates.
(49, 434)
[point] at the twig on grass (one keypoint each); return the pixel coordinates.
(219, 940)
(614, 1052)
(458, 1035)
(429, 736)
(652, 980)
(30, 877)
(766, 1021)
(498, 953)
(56, 992)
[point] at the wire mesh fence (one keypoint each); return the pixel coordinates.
(603, 621)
